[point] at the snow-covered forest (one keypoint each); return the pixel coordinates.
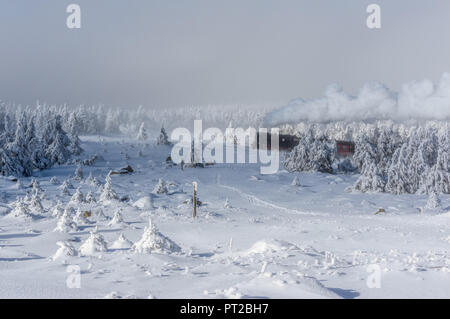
(40, 136)
(391, 157)
(35, 139)
(101, 119)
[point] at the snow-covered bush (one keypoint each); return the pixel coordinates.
(90, 198)
(54, 181)
(295, 181)
(122, 243)
(117, 220)
(65, 223)
(93, 245)
(434, 202)
(153, 241)
(65, 250)
(77, 197)
(144, 203)
(66, 184)
(35, 205)
(80, 218)
(58, 210)
(21, 210)
(161, 187)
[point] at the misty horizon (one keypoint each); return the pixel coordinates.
(161, 55)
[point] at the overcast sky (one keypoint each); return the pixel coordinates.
(173, 53)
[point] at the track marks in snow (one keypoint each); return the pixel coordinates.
(254, 200)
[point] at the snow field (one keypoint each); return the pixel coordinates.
(255, 236)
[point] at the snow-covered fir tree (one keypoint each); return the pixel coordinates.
(163, 139)
(66, 223)
(295, 181)
(77, 197)
(35, 205)
(142, 134)
(21, 210)
(108, 193)
(370, 179)
(161, 187)
(117, 220)
(58, 142)
(365, 152)
(312, 154)
(90, 198)
(19, 148)
(73, 131)
(434, 202)
(54, 181)
(79, 173)
(80, 217)
(58, 210)
(90, 178)
(36, 187)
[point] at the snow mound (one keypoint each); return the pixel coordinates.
(266, 247)
(144, 203)
(65, 250)
(93, 245)
(117, 220)
(153, 241)
(122, 243)
(230, 293)
(278, 286)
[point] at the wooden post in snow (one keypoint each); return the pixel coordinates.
(194, 199)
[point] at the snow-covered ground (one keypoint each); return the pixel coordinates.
(256, 236)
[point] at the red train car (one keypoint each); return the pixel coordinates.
(345, 149)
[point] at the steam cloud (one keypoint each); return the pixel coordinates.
(418, 100)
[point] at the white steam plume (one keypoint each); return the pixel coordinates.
(419, 100)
